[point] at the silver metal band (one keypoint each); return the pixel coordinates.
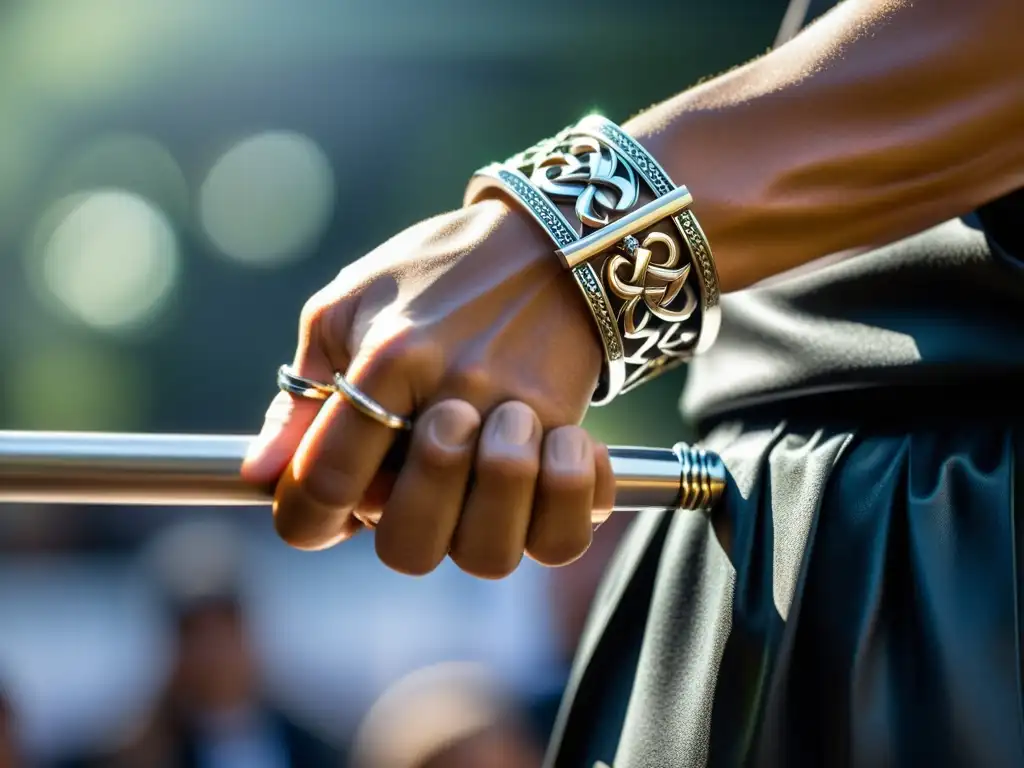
(661, 318)
(105, 468)
(300, 386)
(366, 405)
(561, 232)
(686, 223)
(290, 382)
(638, 157)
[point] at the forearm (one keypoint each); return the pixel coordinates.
(882, 119)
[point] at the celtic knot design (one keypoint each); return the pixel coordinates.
(650, 315)
(585, 169)
(545, 212)
(649, 289)
(655, 177)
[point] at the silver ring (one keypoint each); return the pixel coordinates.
(368, 406)
(290, 382)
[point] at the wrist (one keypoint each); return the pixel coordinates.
(634, 249)
(518, 239)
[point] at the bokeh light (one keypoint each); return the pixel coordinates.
(109, 258)
(268, 199)
(131, 162)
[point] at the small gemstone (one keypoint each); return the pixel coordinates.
(631, 244)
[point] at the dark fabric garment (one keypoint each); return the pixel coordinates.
(854, 601)
(1003, 221)
(934, 308)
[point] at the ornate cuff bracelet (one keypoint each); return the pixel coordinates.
(636, 271)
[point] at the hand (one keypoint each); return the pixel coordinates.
(467, 322)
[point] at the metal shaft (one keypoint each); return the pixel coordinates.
(175, 470)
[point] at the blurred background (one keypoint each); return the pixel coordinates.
(176, 178)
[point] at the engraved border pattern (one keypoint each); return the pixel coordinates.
(587, 280)
(552, 219)
(512, 175)
(655, 177)
(701, 254)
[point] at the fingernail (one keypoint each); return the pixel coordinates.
(569, 448)
(452, 427)
(515, 425)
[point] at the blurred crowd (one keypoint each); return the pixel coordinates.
(212, 710)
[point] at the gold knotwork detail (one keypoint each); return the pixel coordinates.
(590, 172)
(650, 289)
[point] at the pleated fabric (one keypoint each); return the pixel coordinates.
(853, 601)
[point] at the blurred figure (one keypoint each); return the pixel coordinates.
(212, 712)
(447, 716)
(9, 752)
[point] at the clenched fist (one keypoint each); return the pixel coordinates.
(467, 324)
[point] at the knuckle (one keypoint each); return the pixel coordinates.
(312, 311)
(559, 545)
(507, 469)
(486, 565)
(324, 320)
(562, 482)
(473, 382)
(405, 354)
(329, 486)
(307, 531)
(334, 327)
(294, 535)
(401, 555)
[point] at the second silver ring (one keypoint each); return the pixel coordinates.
(366, 405)
(300, 386)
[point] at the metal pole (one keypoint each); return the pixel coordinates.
(174, 470)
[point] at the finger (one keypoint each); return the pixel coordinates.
(318, 354)
(339, 455)
(561, 528)
(304, 523)
(491, 534)
(284, 424)
(604, 485)
(419, 519)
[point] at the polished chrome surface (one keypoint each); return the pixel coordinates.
(174, 470)
(645, 477)
(589, 173)
(101, 468)
(644, 287)
(369, 407)
(702, 476)
(290, 382)
(633, 223)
